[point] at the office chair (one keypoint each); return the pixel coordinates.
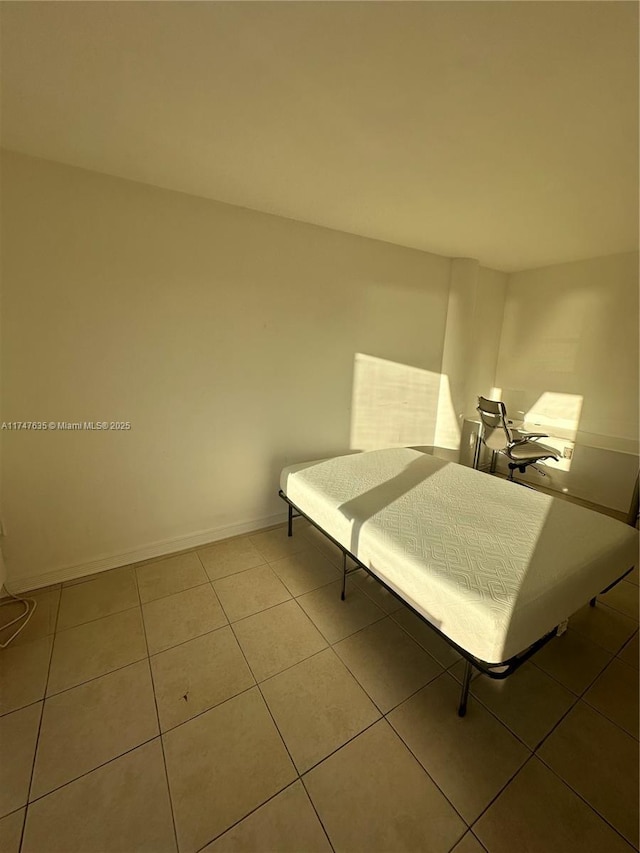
(498, 437)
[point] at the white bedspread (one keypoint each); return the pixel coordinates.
(493, 565)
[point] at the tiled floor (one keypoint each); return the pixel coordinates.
(227, 699)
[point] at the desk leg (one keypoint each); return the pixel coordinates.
(477, 448)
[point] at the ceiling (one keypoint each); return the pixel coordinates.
(503, 131)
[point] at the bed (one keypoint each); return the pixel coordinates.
(493, 567)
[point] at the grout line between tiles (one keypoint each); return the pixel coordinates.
(317, 814)
(168, 556)
(579, 697)
(257, 808)
(424, 770)
(206, 710)
(355, 591)
(96, 677)
(92, 770)
(529, 758)
(608, 719)
(293, 764)
(97, 619)
(430, 653)
(155, 701)
(362, 686)
(557, 680)
(617, 610)
(494, 713)
(175, 592)
(584, 800)
(182, 643)
(37, 743)
(533, 751)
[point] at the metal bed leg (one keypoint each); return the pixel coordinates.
(290, 529)
(344, 576)
(466, 680)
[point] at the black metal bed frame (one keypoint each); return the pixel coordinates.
(498, 671)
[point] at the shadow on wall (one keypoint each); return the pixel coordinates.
(398, 405)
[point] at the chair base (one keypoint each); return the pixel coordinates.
(513, 466)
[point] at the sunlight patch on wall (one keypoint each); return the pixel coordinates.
(393, 405)
(559, 414)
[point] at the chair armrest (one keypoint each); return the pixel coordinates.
(530, 436)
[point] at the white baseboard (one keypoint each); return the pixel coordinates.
(157, 549)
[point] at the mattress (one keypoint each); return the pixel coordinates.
(494, 566)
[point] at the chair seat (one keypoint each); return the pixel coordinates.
(532, 450)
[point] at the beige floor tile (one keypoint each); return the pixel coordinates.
(372, 795)
(427, 637)
(337, 619)
(573, 660)
(93, 723)
(122, 806)
(600, 762)
(278, 638)
(305, 571)
(624, 598)
(387, 663)
(615, 694)
(250, 592)
(222, 765)
(197, 675)
(107, 594)
(165, 577)
(93, 576)
(529, 702)
(318, 706)
(325, 545)
(41, 624)
(181, 617)
(95, 648)
(18, 736)
(372, 588)
(230, 556)
(605, 627)
(23, 673)
(11, 831)
(630, 654)
(469, 758)
(469, 844)
(538, 813)
(275, 544)
(286, 824)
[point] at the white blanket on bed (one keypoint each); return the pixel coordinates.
(493, 565)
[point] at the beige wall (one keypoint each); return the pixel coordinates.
(237, 342)
(570, 341)
(472, 337)
(226, 337)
